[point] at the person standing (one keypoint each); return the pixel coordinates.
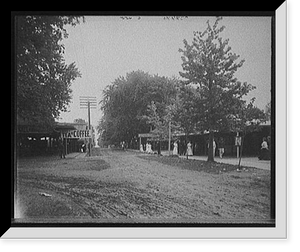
(221, 147)
(175, 149)
(264, 150)
(189, 149)
(61, 148)
(148, 148)
(182, 148)
(141, 148)
(214, 147)
(159, 148)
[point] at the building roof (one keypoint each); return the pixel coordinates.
(64, 126)
(147, 135)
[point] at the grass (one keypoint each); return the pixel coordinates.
(196, 165)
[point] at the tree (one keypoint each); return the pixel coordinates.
(159, 121)
(42, 76)
(209, 66)
(184, 113)
(125, 102)
(268, 111)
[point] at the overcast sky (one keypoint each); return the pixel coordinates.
(106, 47)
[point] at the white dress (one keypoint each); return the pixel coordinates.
(189, 149)
(175, 149)
(141, 148)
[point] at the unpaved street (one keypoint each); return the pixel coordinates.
(127, 187)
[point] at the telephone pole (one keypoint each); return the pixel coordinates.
(170, 136)
(88, 102)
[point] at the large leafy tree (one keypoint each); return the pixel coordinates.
(184, 109)
(209, 66)
(42, 76)
(177, 113)
(125, 102)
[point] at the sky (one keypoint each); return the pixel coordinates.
(106, 47)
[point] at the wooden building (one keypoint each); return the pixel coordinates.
(33, 139)
(199, 140)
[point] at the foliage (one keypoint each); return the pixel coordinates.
(268, 111)
(185, 110)
(125, 103)
(43, 78)
(159, 120)
(248, 118)
(209, 66)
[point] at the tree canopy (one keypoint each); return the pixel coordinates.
(209, 66)
(43, 78)
(125, 103)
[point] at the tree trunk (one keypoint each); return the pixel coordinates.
(210, 147)
(159, 148)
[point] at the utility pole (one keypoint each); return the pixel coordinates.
(88, 102)
(170, 136)
(237, 145)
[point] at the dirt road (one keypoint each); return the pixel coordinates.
(124, 187)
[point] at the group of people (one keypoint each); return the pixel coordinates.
(123, 145)
(189, 151)
(179, 148)
(148, 148)
(61, 145)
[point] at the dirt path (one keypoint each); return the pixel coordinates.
(120, 186)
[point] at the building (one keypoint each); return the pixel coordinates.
(33, 139)
(251, 141)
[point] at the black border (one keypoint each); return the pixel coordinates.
(271, 223)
